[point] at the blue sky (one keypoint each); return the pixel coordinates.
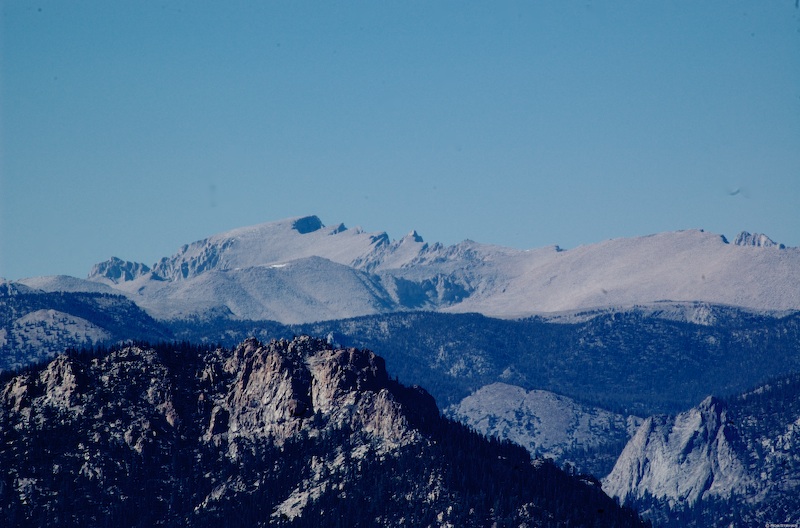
(131, 128)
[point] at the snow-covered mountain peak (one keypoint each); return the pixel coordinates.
(267, 244)
(413, 235)
(276, 242)
(409, 273)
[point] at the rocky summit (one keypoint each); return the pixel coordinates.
(290, 433)
(721, 463)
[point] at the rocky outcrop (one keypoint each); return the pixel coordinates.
(277, 389)
(117, 270)
(731, 463)
(289, 433)
(692, 456)
(756, 240)
(192, 259)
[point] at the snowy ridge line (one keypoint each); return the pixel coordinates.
(298, 270)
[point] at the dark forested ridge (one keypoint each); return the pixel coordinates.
(629, 361)
(661, 365)
(293, 433)
(37, 325)
(625, 361)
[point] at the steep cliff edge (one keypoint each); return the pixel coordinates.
(721, 463)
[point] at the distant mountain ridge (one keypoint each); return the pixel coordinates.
(298, 270)
(36, 325)
(639, 326)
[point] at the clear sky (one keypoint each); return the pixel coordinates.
(132, 127)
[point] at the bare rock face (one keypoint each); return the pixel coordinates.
(56, 386)
(117, 270)
(270, 393)
(59, 382)
(278, 388)
(682, 459)
(15, 394)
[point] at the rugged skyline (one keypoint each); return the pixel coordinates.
(128, 130)
(299, 270)
(291, 433)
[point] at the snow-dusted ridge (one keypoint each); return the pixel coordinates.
(696, 312)
(263, 271)
(67, 284)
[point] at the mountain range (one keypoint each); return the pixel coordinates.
(649, 362)
(298, 270)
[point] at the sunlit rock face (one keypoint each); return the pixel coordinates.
(721, 463)
(277, 389)
(692, 456)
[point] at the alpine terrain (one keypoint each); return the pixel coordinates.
(721, 463)
(663, 366)
(299, 270)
